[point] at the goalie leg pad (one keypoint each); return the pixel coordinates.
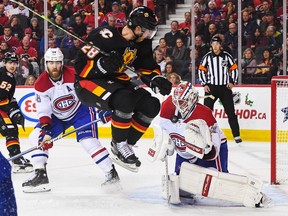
(171, 183)
(224, 186)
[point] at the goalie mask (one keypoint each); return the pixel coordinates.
(185, 97)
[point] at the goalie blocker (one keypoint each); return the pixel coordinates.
(213, 184)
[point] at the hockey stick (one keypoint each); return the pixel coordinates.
(77, 37)
(167, 179)
(207, 96)
(54, 139)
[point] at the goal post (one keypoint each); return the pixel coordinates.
(279, 130)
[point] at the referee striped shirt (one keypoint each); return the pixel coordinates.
(218, 69)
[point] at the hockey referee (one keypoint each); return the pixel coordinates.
(218, 73)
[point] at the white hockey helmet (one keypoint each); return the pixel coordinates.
(185, 97)
(53, 54)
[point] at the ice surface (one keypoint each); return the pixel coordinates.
(76, 190)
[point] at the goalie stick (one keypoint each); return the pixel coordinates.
(53, 140)
(78, 38)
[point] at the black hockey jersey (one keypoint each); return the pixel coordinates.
(108, 38)
(7, 87)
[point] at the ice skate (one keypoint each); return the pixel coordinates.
(124, 156)
(112, 181)
(38, 182)
(21, 165)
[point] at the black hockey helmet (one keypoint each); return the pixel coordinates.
(144, 17)
(215, 39)
(10, 56)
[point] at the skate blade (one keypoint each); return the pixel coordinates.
(130, 167)
(37, 189)
(19, 169)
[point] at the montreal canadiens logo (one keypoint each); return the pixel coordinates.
(65, 103)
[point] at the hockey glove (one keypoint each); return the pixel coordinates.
(105, 115)
(111, 63)
(44, 139)
(17, 117)
(160, 84)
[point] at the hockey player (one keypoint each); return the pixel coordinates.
(8, 205)
(200, 144)
(10, 114)
(101, 80)
(58, 108)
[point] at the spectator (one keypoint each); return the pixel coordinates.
(174, 78)
(90, 17)
(172, 36)
(268, 67)
(37, 31)
(169, 68)
(89, 28)
(248, 66)
(162, 46)
(4, 20)
(119, 16)
(33, 43)
(51, 35)
(197, 13)
(212, 30)
(180, 53)
(9, 38)
(126, 7)
(248, 25)
(229, 10)
(160, 60)
(78, 26)
(203, 26)
(111, 20)
(200, 46)
(74, 49)
(7, 5)
(185, 27)
(19, 10)
(4, 48)
(213, 11)
(16, 28)
(202, 4)
(104, 6)
(59, 33)
(81, 5)
(187, 72)
(30, 80)
(231, 40)
(257, 42)
(274, 39)
(28, 53)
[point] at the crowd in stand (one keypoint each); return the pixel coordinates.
(262, 38)
(23, 32)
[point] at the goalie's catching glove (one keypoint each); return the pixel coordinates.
(111, 63)
(160, 84)
(44, 138)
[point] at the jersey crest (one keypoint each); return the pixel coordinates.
(64, 103)
(129, 56)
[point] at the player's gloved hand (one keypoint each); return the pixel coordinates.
(17, 117)
(105, 115)
(44, 138)
(111, 63)
(160, 84)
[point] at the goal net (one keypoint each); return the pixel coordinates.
(279, 130)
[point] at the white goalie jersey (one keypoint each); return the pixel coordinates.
(58, 98)
(177, 130)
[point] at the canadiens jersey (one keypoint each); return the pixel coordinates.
(58, 98)
(109, 38)
(7, 87)
(176, 130)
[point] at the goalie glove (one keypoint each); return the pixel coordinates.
(198, 138)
